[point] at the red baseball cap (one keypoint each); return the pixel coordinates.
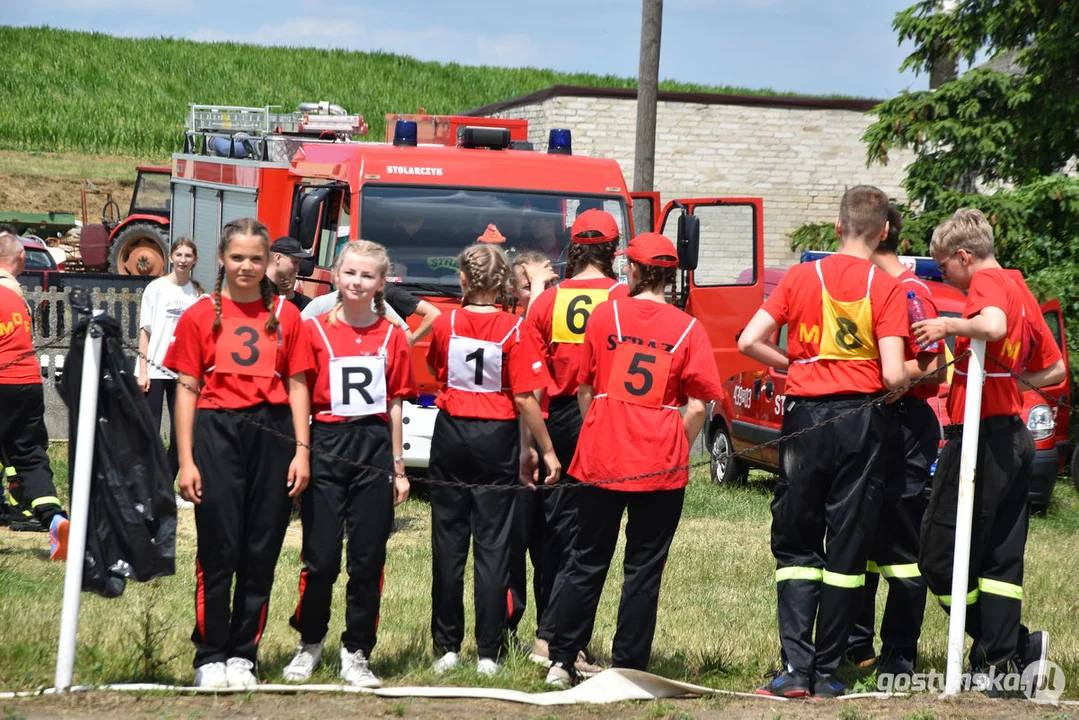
(594, 221)
(651, 248)
(491, 235)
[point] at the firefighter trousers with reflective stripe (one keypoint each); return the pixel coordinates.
(340, 498)
(23, 445)
(829, 490)
(484, 452)
(652, 522)
(912, 445)
(240, 525)
(998, 536)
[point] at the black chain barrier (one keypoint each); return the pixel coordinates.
(883, 399)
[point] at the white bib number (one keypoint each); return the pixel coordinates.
(358, 385)
(475, 365)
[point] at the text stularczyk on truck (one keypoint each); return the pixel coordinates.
(425, 202)
(753, 412)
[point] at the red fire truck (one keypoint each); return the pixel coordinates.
(301, 175)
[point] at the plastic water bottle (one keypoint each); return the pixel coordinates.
(916, 312)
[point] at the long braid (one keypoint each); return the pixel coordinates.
(486, 269)
(266, 288)
(336, 310)
(217, 297)
(380, 303)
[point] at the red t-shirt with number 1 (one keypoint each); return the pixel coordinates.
(241, 365)
(633, 426)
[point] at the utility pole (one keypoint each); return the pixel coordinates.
(644, 156)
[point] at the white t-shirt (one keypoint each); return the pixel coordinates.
(163, 302)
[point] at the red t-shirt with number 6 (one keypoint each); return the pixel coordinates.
(644, 359)
(241, 365)
(560, 315)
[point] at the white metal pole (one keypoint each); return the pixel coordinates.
(80, 507)
(964, 516)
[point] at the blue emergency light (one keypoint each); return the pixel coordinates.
(924, 267)
(405, 133)
(560, 142)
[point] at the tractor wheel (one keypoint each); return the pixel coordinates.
(726, 469)
(139, 249)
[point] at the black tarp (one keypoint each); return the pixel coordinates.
(132, 523)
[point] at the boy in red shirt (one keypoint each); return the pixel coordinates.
(912, 440)
(641, 361)
(1001, 311)
(848, 326)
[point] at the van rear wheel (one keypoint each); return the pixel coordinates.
(726, 468)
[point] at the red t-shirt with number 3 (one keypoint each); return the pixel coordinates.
(633, 426)
(241, 365)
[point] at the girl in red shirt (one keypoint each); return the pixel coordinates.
(241, 356)
(641, 360)
(560, 315)
(489, 368)
(363, 369)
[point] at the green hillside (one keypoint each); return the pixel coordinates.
(91, 92)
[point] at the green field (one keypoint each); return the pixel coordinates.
(716, 622)
(67, 91)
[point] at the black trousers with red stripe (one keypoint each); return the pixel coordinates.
(343, 497)
(545, 523)
(653, 520)
(475, 452)
(240, 524)
(912, 440)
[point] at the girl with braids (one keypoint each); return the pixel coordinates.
(559, 315)
(489, 368)
(363, 370)
(641, 360)
(241, 356)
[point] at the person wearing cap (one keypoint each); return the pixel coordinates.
(559, 315)
(641, 361)
(287, 253)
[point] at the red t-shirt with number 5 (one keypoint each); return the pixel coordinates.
(241, 365)
(633, 426)
(560, 315)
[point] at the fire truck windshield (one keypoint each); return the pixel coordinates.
(424, 228)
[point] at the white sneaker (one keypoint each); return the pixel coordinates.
(241, 673)
(303, 663)
(446, 663)
(540, 653)
(487, 666)
(356, 672)
(211, 675)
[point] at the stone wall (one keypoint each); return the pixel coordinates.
(798, 154)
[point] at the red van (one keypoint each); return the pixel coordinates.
(752, 412)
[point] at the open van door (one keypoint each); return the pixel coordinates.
(722, 269)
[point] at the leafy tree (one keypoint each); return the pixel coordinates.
(1001, 137)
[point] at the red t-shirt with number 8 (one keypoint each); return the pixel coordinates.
(643, 364)
(241, 365)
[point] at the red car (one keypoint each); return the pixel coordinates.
(752, 412)
(41, 269)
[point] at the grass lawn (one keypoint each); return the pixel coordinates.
(716, 621)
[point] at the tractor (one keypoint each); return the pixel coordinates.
(138, 244)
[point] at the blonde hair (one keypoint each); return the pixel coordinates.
(967, 229)
(486, 269)
(366, 249)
